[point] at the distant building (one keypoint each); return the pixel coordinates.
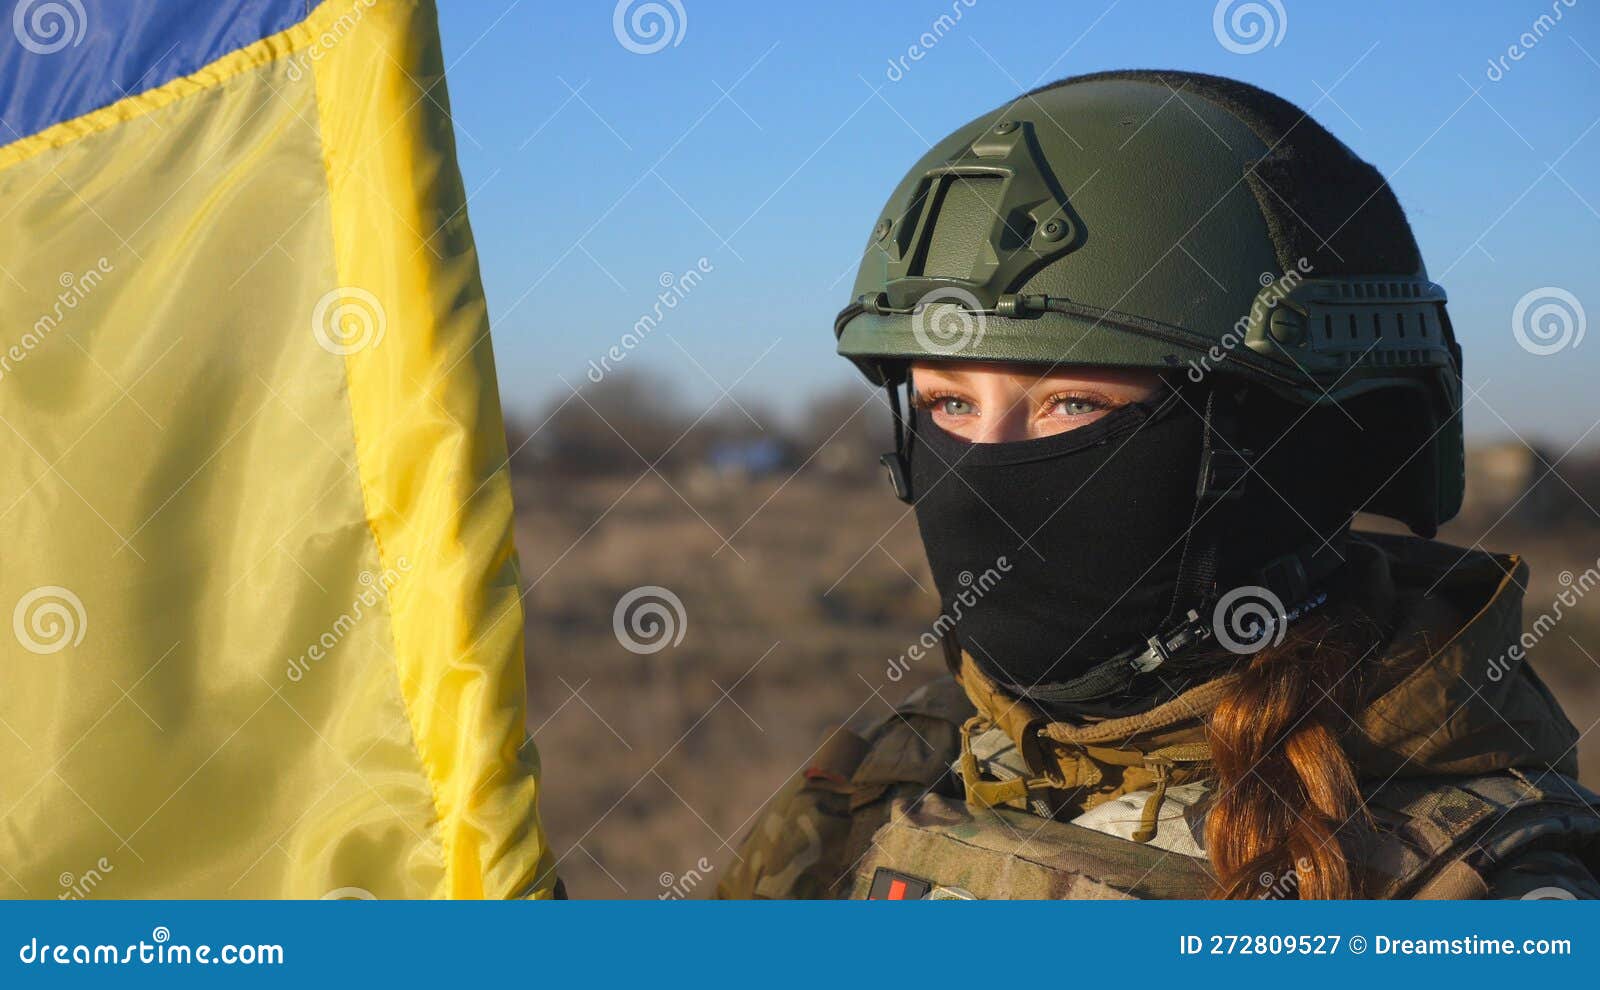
(750, 458)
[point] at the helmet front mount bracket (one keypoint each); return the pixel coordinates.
(999, 182)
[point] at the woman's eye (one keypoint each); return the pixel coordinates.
(1075, 406)
(952, 406)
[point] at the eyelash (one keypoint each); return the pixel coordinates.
(927, 401)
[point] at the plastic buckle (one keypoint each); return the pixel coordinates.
(1162, 647)
(1286, 577)
(1222, 473)
(899, 475)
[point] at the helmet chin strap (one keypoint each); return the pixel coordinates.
(898, 462)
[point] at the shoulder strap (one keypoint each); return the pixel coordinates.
(945, 845)
(916, 744)
(1438, 838)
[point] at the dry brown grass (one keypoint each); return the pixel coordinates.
(649, 767)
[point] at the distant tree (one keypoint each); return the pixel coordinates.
(616, 426)
(843, 432)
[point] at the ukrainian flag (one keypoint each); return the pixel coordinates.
(265, 632)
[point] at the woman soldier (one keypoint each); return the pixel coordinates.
(1164, 336)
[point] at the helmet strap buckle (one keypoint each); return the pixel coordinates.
(899, 472)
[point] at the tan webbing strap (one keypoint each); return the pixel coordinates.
(1456, 882)
(990, 793)
(1066, 758)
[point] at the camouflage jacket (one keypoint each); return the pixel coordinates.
(1467, 765)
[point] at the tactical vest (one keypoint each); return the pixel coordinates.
(913, 835)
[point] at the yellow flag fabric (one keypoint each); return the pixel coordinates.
(266, 631)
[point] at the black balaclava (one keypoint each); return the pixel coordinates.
(1078, 538)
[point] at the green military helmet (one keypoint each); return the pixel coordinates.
(1182, 222)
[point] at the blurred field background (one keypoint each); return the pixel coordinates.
(801, 578)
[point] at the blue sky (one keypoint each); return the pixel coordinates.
(766, 139)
